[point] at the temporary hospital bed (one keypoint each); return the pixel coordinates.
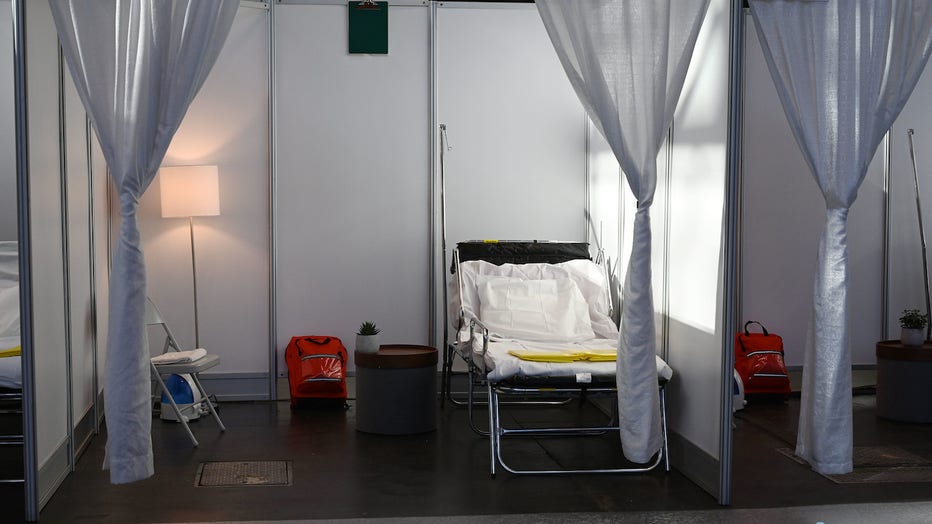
(533, 323)
(11, 382)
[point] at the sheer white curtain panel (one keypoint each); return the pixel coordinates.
(137, 65)
(843, 69)
(627, 60)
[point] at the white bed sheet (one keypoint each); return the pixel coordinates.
(501, 365)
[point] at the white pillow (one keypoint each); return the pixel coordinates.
(539, 310)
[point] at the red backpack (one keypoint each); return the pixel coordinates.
(316, 370)
(759, 362)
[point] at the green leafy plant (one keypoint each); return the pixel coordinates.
(368, 328)
(913, 319)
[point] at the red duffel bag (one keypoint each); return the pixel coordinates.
(316, 370)
(759, 362)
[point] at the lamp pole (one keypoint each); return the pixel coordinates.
(197, 337)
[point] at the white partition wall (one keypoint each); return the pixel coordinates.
(81, 315)
(227, 126)
(50, 335)
(687, 244)
(517, 168)
(353, 176)
(100, 234)
(61, 346)
(783, 215)
(7, 132)
(695, 316)
(905, 275)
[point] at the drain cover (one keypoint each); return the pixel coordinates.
(244, 473)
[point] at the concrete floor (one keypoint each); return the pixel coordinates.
(340, 473)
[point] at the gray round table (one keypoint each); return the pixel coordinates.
(396, 390)
(904, 381)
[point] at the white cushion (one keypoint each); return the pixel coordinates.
(588, 277)
(548, 309)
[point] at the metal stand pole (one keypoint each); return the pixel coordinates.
(447, 357)
(922, 234)
(197, 337)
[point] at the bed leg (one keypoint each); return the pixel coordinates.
(663, 428)
(493, 428)
(447, 370)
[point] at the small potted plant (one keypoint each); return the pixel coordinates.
(912, 324)
(367, 338)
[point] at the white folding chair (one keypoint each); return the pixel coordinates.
(154, 318)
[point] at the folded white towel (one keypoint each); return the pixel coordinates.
(180, 357)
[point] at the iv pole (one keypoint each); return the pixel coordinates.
(922, 234)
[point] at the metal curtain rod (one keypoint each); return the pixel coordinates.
(922, 234)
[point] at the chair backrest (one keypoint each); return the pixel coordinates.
(153, 315)
(154, 318)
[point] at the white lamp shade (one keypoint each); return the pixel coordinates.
(190, 191)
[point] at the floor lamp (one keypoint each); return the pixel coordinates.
(190, 191)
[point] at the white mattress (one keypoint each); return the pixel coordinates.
(10, 367)
(590, 280)
(501, 365)
(11, 373)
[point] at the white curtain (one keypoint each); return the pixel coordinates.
(843, 70)
(627, 60)
(137, 65)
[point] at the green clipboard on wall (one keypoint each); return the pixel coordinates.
(368, 27)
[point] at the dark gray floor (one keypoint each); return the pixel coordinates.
(340, 473)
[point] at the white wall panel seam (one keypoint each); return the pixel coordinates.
(589, 224)
(66, 255)
(92, 264)
(273, 207)
(885, 258)
(434, 182)
(665, 263)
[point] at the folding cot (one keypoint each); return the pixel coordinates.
(533, 323)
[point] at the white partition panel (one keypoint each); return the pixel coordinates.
(7, 132)
(517, 169)
(48, 314)
(906, 287)
(694, 250)
(100, 201)
(225, 126)
(782, 217)
(353, 175)
(687, 241)
(82, 338)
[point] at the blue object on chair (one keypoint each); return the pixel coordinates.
(180, 390)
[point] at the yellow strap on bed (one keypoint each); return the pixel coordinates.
(12, 352)
(571, 355)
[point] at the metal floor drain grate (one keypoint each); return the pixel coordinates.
(244, 473)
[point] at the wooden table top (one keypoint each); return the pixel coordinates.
(894, 350)
(398, 356)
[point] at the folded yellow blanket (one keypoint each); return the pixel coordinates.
(568, 355)
(12, 352)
